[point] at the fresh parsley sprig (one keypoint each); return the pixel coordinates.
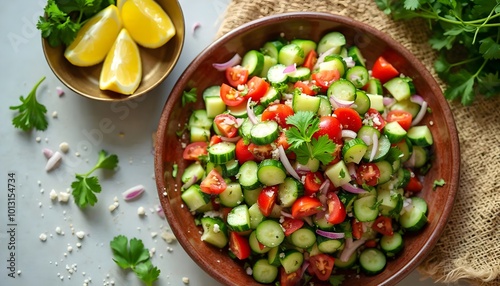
(135, 257)
(467, 35)
(189, 96)
(85, 187)
(300, 136)
(63, 18)
(31, 112)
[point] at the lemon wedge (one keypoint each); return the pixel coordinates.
(95, 38)
(122, 68)
(148, 24)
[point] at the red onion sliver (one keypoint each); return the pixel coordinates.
(236, 59)
(340, 103)
(352, 189)
(308, 220)
(352, 170)
(47, 153)
(251, 114)
(285, 214)
(350, 247)
(411, 161)
(190, 182)
(290, 68)
(349, 134)
(53, 161)
(366, 139)
(417, 99)
(59, 91)
(232, 139)
(133, 192)
(286, 163)
(388, 101)
(374, 146)
(322, 57)
(304, 267)
(349, 62)
(324, 186)
(420, 115)
(329, 234)
(159, 211)
(196, 25)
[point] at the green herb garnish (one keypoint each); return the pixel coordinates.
(438, 183)
(31, 112)
(188, 96)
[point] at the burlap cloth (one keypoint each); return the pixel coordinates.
(469, 249)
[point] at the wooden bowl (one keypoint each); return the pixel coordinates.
(200, 74)
(156, 63)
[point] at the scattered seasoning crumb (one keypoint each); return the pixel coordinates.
(112, 207)
(43, 237)
(115, 199)
(59, 91)
(64, 147)
(63, 197)
(47, 153)
(80, 234)
(38, 139)
(185, 280)
(154, 234)
(42, 191)
(78, 244)
(77, 154)
(54, 114)
(168, 237)
(58, 230)
(141, 211)
(18, 272)
(39, 204)
(39, 182)
(46, 139)
(152, 252)
(70, 248)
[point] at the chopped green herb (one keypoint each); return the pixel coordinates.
(175, 167)
(189, 96)
(438, 183)
(31, 112)
(336, 280)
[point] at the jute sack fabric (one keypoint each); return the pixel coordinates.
(469, 249)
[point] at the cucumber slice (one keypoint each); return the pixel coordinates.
(232, 196)
(264, 132)
(374, 86)
(195, 169)
(238, 218)
(362, 102)
(275, 75)
(199, 118)
(247, 175)
(366, 133)
(291, 260)
(358, 75)
(303, 238)
(391, 202)
(325, 107)
(383, 148)
(269, 97)
(222, 152)
(230, 169)
(333, 40)
(198, 134)
(354, 150)
(376, 102)
(386, 171)
(365, 209)
(420, 135)
(334, 62)
(291, 54)
(271, 172)
(269, 233)
(338, 174)
(401, 88)
(407, 105)
(253, 61)
(421, 156)
(406, 147)
(357, 56)
(289, 191)
(273, 256)
(256, 216)
(305, 45)
(238, 111)
(372, 261)
(194, 198)
(212, 91)
(394, 132)
(327, 245)
(272, 49)
(255, 245)
(214, 231)
(414, 218)
(263, 272)
(304, 102)
(342, 89)
(349, 263)
(268, 63)
(392, 245)
(301, 73)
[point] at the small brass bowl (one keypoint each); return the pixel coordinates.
(156, 63)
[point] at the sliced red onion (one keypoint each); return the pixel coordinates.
(251, 114)
(352, 170)
(285, 214)
(302, 169)
(47, 153)
(190, 182)
(350, 248)
(349, 134)
(420, 115)
(290, 68)
(59, 91)
(239, 122)
(286, 163)
(417, 99)
(232, 139)
(324, 186)
(349, 62)
(374, 146)
(303, 268)
(159, 211)
(330, 235)
(411, 161)
(322, 57)
(388, 101)
(236, 59)
(348, 187)
(53, 161)
(196, 25)
(367, 139)
(133, 192)
(340, 102)
(308, 220)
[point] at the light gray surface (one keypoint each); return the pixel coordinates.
(79, 122)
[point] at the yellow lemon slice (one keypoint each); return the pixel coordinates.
(148, 24)
(122, 68)
(95, 38)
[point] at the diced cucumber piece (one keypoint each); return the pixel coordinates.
(401, 88)
(275, 75)
(255, 245)
(406, 147)
(194, 198)
(256, 216)
(407, 105)
(212, 91)
(244, 130)
(304, 102)
(222, 153)
(271, 172)
(386, 171)
(264, 132)
(305, 45)
(342, 89)
(354, 150)
(198, 134)
(414, 218)
(366, 133)
(376, 102)
(334, 62)
(383, 148)
(374, 86)
(325, 107)
(214, 231)
(365, 209)
(358, 75)
(200, 119)
(270, 233)
(392, 245)
(289, 191)
(301, 73)
(263, 272)
(238, 218)
(327, 245)
(232, 196)
(333, 40)
(420, 135)
(253, 61)
(193, 170)
(304, 237)
(338, 174)
(230, 169)
(247, 175)
(238, 111)
(291, 54)
(356, 56)
(372, 261)
(269, 97)
(214, 106)
(312, 165)
(391, 202)
(268, 63)
(421, 156)
(272, 48)
(291, 260)
(394, 132)
(362, 103)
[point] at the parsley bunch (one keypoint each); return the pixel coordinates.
(467, 35)
(64, 18)
(135, 257)
(31, 112)
(302, 143)
(85, 187)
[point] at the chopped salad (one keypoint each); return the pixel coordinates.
(305, 162)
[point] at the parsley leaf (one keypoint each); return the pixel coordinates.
(85, 187)
(336, 280)
(189, 96)
(31, 112)
(135, 257)
(438, 183)
(304, 125)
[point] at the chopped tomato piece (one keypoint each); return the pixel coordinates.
(371, 243)
(357, 228)
(310, 60)
(336, 209)
(239, 245)
(277, 112)
(215, 139)
(383, 70)
(349, 118)
(383, 225)
(376, 118)
(414, 185)
(289, 279)
(213, 183)
(236, 75)
(321, 266)
(257, 88)
(260, 152)
(230, 95)
(267, 199)
(194, 150)
(226, 124)
(325, 78)
(367, 173)
(242, 152)
(306, 87)
(404, 118)
(306, 206)
(330, 126)
(290, 225)
(282, 141)
(312, 182)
